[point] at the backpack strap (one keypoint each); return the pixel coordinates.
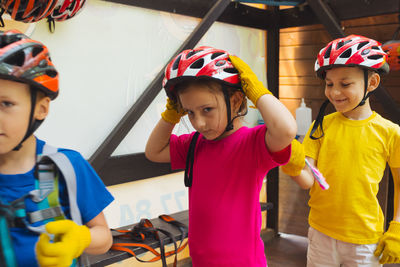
(7, 255)
(68, 172)
(48, 167)
(190, 160)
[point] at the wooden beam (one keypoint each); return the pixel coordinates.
(344, 10)
(112, 141)
(325, 14)
(273, 85)
(247, 16)
(132, 167)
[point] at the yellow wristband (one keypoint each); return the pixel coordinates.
(297, 160)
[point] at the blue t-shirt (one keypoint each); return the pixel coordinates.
(92, 196)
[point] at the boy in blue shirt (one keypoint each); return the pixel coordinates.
(28, 82)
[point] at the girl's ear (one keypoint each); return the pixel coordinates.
(42, 108)
(373, 81)
(236, 101)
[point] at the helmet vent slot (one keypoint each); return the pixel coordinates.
(346, 54)
(36, 51)
(193, 52)
(376, 48)
(216, 54)
(176, 63)
(362, 44)
(374, 57)
(231, 70)
(198, 64)
(342, 43)
(9, 39)
(51, 73)
(328, 52)
(17, 59)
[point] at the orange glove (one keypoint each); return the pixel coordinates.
(72, 240)
(172, 114)
(389, 245)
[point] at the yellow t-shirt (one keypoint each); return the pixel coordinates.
(352, 155)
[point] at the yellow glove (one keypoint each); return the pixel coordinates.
(172, 113)
(72, 240)
(251, 86)
(297, 160)
(389, 245)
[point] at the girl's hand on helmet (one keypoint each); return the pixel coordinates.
(73, 239)
(297, 160)
(251, 86)
(172, 113)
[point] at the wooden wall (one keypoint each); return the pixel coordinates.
(298, 49)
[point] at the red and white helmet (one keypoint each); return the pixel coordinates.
(66, 9)
(201, 62)
(28, 10)
(353, 50)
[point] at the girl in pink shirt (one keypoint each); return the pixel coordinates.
(224, 162)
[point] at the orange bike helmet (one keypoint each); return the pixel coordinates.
(25, 60)
(28, 10)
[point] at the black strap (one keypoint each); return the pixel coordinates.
(366, 95)
(14, 212)
(318, 122)
(33, 123)
(1, 17)
(146, 229)
(51, 23)
(11, 215)
(229, 126)
(190, 160)
(182, 227)
(162, 249)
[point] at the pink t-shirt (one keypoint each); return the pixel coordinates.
(224, 209)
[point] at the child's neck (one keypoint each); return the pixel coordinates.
(21, 161)
(360, 113)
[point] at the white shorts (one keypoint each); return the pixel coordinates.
(324, 251)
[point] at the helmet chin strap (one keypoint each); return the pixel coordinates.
(33, 124)
(366, 94)
(229, 126)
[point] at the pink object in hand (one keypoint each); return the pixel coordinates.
(318, 176)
